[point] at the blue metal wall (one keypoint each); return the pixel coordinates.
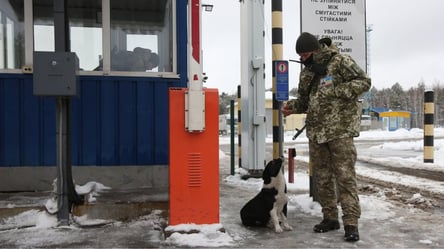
(115, 121)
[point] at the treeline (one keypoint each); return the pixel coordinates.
(224, 102)
(394, 98)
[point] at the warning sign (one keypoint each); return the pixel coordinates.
(341, 20)
(281, 69)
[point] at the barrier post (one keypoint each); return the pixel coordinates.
(232, 154)
(291, 156)
(429, 110)
(239, 126)
(277, 47)
(193, 170)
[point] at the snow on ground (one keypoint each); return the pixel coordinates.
(406, 159)
(205, 236)
(374, 206)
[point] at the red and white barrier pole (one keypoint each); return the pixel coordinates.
(195, 96)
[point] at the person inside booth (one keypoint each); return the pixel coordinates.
(138, 60)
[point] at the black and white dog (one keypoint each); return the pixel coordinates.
(269, 207)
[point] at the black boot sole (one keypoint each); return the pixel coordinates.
(324, 230)
(351, 238)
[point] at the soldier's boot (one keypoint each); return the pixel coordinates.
(326, 225)
(351, 233)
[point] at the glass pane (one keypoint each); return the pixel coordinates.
(44, 37)
(140, 35)
(12, 34)
(43, 25)
(85, 22)
(10, 51)
(86, 42)
(2, 45)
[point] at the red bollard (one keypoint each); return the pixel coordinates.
(291, 156)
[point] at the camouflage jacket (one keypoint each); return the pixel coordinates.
(331, 100)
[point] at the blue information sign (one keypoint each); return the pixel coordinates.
(281, 69)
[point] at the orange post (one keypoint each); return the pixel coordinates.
(194, 162)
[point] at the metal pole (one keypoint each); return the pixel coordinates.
(277, 48)
(232, 136)
(291, 156)
(253, 87)
(239, 126)
(429, 110)
(65, 187)
(62, 162)
(61, 37)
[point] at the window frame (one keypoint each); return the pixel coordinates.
(29, 46)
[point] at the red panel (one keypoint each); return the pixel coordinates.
(194, 163)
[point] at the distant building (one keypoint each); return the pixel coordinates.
(366, 122)
(393, 120)
(386, 119)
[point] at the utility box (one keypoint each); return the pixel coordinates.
(194, 162)
(55, 74)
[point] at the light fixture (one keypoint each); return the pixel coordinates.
(208, 7)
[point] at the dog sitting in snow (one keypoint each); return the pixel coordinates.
(269, 206)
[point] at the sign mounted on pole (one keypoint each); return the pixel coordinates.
(281, 69)
(341, 20)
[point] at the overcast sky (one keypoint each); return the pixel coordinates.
(406, 44)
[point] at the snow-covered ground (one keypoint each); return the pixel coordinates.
(371, 206)
(40, 228)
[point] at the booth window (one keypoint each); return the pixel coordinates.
(85, 27)
(107, 35)
(140, 35)
(11, 34)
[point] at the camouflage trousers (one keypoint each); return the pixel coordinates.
(334, 167)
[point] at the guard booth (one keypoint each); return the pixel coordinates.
(394, 120)
(390, 120)
(133, 64)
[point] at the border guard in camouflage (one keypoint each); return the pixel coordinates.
(330, 86)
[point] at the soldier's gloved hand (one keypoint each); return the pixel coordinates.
(286, 109)
(317, 69)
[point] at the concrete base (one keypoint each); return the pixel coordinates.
(109, 206)
(17, 179)
(125, 205)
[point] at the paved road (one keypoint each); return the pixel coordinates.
(397, 227)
